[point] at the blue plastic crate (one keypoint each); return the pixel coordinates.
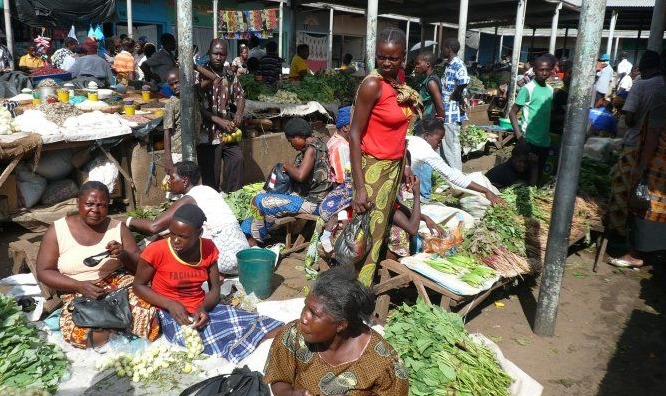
(59, 78)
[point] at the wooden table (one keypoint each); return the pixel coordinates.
(394, 275)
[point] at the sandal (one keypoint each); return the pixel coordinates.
(621, 263)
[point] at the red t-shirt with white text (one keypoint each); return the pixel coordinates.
(176, 279)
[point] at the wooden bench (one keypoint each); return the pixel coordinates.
(24, 255)
(293, 226)
(394, 275)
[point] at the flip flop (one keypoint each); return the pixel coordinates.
(620, 263)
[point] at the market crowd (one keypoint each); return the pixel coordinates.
(362, 170)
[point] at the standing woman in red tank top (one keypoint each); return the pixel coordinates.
(379, 125)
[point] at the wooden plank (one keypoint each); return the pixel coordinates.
(8, 170)
(422, 292)
(392, 283)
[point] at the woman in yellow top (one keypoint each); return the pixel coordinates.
(299, 66)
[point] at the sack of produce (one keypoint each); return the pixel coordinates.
(278, 181)
(31, 186)
(59, 191)
(101, 169)
(55, 165)
(475, 205)
(598, 149)
(354, 243)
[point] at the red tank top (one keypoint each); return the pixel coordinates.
(384, 137)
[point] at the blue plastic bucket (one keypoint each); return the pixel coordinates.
(255, 270)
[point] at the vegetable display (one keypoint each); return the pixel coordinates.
(472, 137)
(440, 356)
(595, 179)
(7, 125)
(240, 201)
(281, 96)
(26, 360)
(467, 268)
(324, 88)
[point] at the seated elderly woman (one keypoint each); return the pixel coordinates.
(62, 265)
(310, 181)
(221, 227)
(170, 276)
(331, 350)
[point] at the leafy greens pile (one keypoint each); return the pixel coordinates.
(440, 356)
(472, 137)
(240, 201)
(26, 360)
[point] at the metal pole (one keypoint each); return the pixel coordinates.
(657, 26)
(329, 59)
(501, 47)
(553, 29)
(462, 26)
(184, 26)
(566, 38)
(371, 35)
(8, 30)
(496, 44)
(434, 38)
(130, 28)
(587, 46)
(532, 43)
(407, 40)
(440, 35)
(617, 45)
(638, 39)
(280, 22)
(215, 20)
(611, 32)
(423, 33)
(517, 44)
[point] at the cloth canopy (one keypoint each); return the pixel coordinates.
(63, 13)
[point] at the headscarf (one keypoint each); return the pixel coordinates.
(343, 118)
(90, 45)
(406, 95)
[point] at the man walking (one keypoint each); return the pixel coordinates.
(454, 81)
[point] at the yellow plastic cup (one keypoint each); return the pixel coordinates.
(130, 109)
(93, 96)
(63, 96)
(145, 95)
(36, 101)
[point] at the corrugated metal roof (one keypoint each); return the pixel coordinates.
(630, 3)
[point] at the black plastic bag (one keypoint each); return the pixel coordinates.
(354, 242)
(640, 198)
(278, 181)
(241, 382)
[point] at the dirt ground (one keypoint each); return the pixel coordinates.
(610, 337)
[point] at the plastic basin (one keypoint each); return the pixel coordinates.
(255, 270)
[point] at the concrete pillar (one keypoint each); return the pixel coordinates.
(611, 32)
(462, 26)
(371, 35)
(657, 26)
(587, 46)
(553, 29)
(617, 45)
(8, 30)
(517, 44)
(130, 28)
(216, 16)
(184, 26)
(329, 59)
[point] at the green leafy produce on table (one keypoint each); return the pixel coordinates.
(27, 361)
(440, 356)
(240, 201)
(472, 137)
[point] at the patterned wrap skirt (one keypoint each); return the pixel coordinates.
(271, 207)
(145, 323)
(620, 190)
(231, 333)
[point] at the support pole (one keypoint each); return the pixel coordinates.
(184, 26)
(638, 39)
(611, 32)
(531, 44)
(329, 58)
(517, 44)
(587, 46)
(435, 46)
(280, 22)
(371, 36)
(407, 40)
(566, 38)
(216, 16)
(440, 39)
(617, 45)
(501, 47)
(553, 29)
(8, 30)
(496, 45)
(423, 33)
(462, 26)
(130, 27)
(657, 26)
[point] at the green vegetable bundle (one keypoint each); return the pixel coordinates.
(252, 87)
(240, 201)
(595, 179)
(440, 356)
(26, 360)
(471, 136)
(468, 268)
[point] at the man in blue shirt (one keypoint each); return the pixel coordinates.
(454, 81)
(602, 120)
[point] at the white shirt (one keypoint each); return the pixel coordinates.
(624, 67)
(605, 76)
(68, 62)
(218, 213)
(421, 151)
(626, 83)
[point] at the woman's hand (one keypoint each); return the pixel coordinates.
(416, 188)
(201, 318)
(408, 177)
(179, 313)
(435, 229)
(494, 199)
(361, 204)
(89, 289)
(115, 249)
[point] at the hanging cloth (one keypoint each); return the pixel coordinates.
(72, 33)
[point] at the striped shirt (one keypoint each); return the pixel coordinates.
(270, 68)
(455, 75)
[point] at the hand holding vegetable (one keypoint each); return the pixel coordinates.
(179, 313)
(494, 199)
(435, 229)
(89, 289)
(115, 249)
